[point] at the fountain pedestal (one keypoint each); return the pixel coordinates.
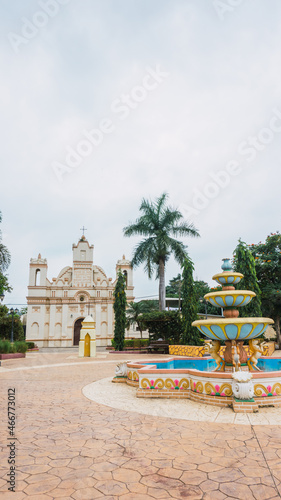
(232, 348)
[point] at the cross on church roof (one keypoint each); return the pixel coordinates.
(83, 229)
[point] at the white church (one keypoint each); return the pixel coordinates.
(57, 308)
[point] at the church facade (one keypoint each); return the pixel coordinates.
(57, 308)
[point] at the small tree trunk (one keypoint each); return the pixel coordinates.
(278, 335)
(140, 328)
(162, 291)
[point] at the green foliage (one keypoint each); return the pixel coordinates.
(5, 259)
(136, 310)
(268, 268)
(173, 290)
(119, 307)
(21, 346)
(201, 288)
(7, 348)
(30, 345)
(159, 224)
(244, 262)
(133, 343)
(166, 325)
(136, 343)
(6, 325)
(191, 335)
(4, 285)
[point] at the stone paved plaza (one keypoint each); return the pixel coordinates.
(71, 447)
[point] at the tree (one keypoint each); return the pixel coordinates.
(5, 259)
(6, 325)
(268, 268)
(191, 335)
(201, 288)
(166, 325)
(119, 307)
(244, 262)
(135, 311)
(159, 224)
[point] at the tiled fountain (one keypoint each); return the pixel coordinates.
(234, 378)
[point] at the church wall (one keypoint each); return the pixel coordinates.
(54, 307)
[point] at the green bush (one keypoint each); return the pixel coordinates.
(30, 345)
(166, 325)
(144, 342)
(13, 349)
(5, 347)
(20, 347)
(136, 343)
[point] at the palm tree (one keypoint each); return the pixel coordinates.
(159, 223)
(135, 311)
(5, 256)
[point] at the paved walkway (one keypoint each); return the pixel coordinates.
(69, 447)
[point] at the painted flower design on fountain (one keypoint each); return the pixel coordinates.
(217, 393)
(261, 390)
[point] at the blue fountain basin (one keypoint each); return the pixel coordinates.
(228, 278)
(233, 328)
(230, 298)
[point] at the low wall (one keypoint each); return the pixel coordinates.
(214, 388)
(198, 351)
(12, 355)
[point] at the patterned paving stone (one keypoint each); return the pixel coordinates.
(191, 492)
(261, 492)
(236, 490)
(111, 487)
(44, 486)
(72, 448)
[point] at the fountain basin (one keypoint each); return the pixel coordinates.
(233, 298)
(233, 328)
(227, 278)
(177, 378)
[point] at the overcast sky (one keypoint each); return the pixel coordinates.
(104, 102)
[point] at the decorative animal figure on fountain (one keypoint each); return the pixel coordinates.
(235, 354)
(256, 348)
(213, 348)
(121, 370)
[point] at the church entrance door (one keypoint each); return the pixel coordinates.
(77, 328)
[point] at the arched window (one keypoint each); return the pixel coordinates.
(37, 277)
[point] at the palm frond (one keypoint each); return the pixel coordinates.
(179, 250)
(5, 258)
(185, 229)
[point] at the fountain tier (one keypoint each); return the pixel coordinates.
(233, 328)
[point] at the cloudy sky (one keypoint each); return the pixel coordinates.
(104, 102)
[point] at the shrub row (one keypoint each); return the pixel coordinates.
(7, 348)
(133, 343)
